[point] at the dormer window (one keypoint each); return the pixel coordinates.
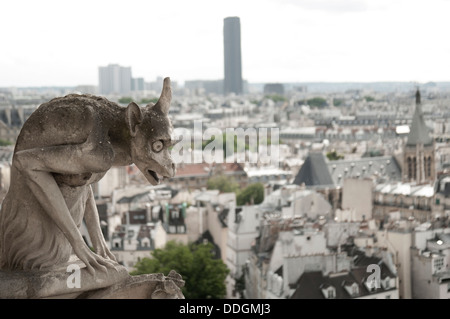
(352, 289)
(145, 242)
(329, 292)
(386, 283)
(355, 289)
(117, 243)
(371, 285)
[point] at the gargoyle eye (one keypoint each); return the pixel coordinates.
(157, 146)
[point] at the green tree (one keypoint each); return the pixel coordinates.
(252, 194)
(369, 98)
(147, 100)
(5, 142)
(204, 275)
(276, 98)
(334, 156)
(317, 102)
(338, 102)
(223, 183)
(125, 100)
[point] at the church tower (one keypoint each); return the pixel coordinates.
(418, 158)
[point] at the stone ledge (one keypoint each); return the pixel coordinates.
(149, 286)
(114, 284)
(36, 284)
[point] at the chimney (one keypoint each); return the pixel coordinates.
(368, 251)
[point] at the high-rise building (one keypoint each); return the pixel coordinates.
(274, 88)
(137, 84)
(232, 55)
(114, 79)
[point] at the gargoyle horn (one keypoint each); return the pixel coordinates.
(166, 97)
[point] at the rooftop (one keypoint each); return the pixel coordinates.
(311, 284)
(319, 171)
(205, 169)
(407, 189)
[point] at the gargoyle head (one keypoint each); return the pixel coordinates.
(152, 137)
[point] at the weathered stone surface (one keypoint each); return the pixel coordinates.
(32, 284)
(151, 286)
(58, 284)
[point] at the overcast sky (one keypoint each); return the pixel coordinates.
(62, 43)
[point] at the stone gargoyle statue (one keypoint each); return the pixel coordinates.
(66, 145)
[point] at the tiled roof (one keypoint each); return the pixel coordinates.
(205, 169)
(319, 171)
(314, 171)
(310, 284)
(144, 232)
(408, 189)
(386, 167)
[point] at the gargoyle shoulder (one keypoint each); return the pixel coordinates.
(64, 120)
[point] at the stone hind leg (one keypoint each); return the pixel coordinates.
(29, 239)
(37, 167)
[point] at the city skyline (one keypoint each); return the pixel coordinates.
(50, 44)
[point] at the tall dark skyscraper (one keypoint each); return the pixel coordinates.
(232, 55)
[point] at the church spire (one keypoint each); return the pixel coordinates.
(418, 158)
(418, 133)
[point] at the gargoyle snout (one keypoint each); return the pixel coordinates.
(172, 170)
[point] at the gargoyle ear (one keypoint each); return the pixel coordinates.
(163, 103)
(134, 117)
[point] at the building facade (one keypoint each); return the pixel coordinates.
(430, 258)
(114, 79)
